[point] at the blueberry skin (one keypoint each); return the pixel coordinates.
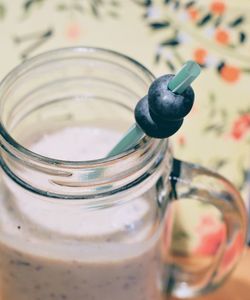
(166, 105)
(161, 129)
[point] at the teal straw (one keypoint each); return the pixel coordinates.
(182, 80)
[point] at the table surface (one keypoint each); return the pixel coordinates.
(237, 287)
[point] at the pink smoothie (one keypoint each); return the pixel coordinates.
(60, 250)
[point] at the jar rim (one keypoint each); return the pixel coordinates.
(80, 180)
(64, 51)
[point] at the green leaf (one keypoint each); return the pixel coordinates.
(205, 20)
(242, 37)
(61, 7)
(143, 2)
(246, 70)
(190, 3)
(220, 163)
(94, 10)
(170, 65)
(212, 97)
(113, 14)
(216, 128)
(159, 25)
(246, 110)
(78, 8)
(2, 11)
(236, 22)
(115, 3)
(29, 4)
(157, 58)
(180, 235)
(224, 115)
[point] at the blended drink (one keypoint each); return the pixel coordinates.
(75, 226)
(52, 249)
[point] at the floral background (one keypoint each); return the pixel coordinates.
(162, 34)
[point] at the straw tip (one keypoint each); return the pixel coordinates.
(183, 79)
(193, 68)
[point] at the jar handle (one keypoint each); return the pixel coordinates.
(198, 272)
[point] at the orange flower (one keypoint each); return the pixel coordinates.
(218, 7)
(182, 140)
(193, 13)
(212, 234)
(230, 73)
(73, 31)
(233, 251)
(200, 55)
(241, 126)
(222, 36)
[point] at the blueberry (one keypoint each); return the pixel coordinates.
(161, 129)
(166, 105)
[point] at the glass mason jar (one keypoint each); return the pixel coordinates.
(98, 229)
